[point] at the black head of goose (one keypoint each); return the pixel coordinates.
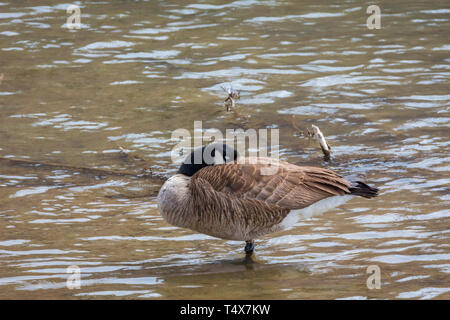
(216, 193)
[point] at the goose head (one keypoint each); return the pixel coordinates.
(209, 155)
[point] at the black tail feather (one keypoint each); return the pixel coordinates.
(359, 188)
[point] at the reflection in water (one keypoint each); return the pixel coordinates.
(136, 71)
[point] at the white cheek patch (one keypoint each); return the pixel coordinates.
(218, 158)
(314, 210)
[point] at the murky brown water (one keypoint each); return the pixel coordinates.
(138, 70)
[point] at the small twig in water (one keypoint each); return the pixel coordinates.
(306, 134)
(131, 156)
(233, 96)
(318, 135)
(146, 167)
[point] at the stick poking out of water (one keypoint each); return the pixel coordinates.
(323, 143)
(316, 133)
(233, 96)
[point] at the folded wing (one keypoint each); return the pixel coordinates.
(291, 187)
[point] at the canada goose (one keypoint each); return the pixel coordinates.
(217, 195)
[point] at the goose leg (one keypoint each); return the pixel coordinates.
(249, 247)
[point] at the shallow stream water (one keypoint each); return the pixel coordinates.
(138, 70)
